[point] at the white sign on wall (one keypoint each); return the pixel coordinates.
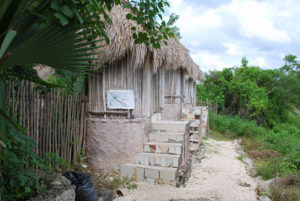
(120, 99)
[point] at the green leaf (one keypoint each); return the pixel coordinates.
(127, 5)
(139, 20)
(134, 36)
(128, 16)
(156, 45)
(133, 28)
(11, 34)
(27, 190)
(160, 5)
(62, 19)
(67, 11)
(52, 46)
(160, 16)
(79, 17)
(12, 121)
(3, 8)
(55, 5)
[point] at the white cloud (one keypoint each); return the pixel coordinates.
(259, 61)
(219, 33)
(208, 61)
(255, 20)
(233, 49)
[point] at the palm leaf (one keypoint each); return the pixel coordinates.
(52, 46)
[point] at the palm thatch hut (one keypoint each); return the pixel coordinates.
(162, 81)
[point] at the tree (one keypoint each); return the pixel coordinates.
(172, 20)
(266, 96)
(244, 61)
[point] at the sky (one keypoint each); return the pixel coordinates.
(219, 33)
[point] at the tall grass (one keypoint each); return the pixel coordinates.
(282, 138)
(235, 125)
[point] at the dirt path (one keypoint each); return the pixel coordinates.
(220, 176)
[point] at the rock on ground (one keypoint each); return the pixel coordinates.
(61, 188)
(220, 176)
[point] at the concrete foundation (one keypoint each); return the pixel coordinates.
(171, 112)
(115, 141)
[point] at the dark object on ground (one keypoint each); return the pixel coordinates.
(84, 186)
(105, 195)
(119, 193)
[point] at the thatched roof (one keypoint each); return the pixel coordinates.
(171, 56)
(44, 71)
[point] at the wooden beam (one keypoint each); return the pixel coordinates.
(104, 91)
(161, 89)
(171, 96)
(108, 112)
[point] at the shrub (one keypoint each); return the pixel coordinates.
(275, 167)
(234, 124)
(18, 167)
(286, 189)
(19, 161)
(282, 138)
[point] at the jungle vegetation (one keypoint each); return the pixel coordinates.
(261, 107)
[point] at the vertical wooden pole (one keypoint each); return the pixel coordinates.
(51, 136)
(146, 91)
(69, 134)
(63, 134)
(75, 133)
(162, 89)
(32, 112)
(24, 104)
(55, 130)
(28, 104)
(104, 92)
(37, 113)
(60, 122)
(83, 123)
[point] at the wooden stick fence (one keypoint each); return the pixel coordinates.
(53, 118)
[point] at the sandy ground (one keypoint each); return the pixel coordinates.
(220, 176)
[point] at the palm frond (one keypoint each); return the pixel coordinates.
(52, 46)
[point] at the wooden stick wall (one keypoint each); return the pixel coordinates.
(54, 118)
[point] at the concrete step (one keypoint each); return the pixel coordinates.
(194, 132)
(169, 126)
(195, 135)
(163, 148)
(154, 159)
(166, 137)
(194, 127)
(195, 140)
(149, 173)
(195, 123)
(194, 147)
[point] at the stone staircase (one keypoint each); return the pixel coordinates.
(198, 116)
(195, 138)
(165, 158)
